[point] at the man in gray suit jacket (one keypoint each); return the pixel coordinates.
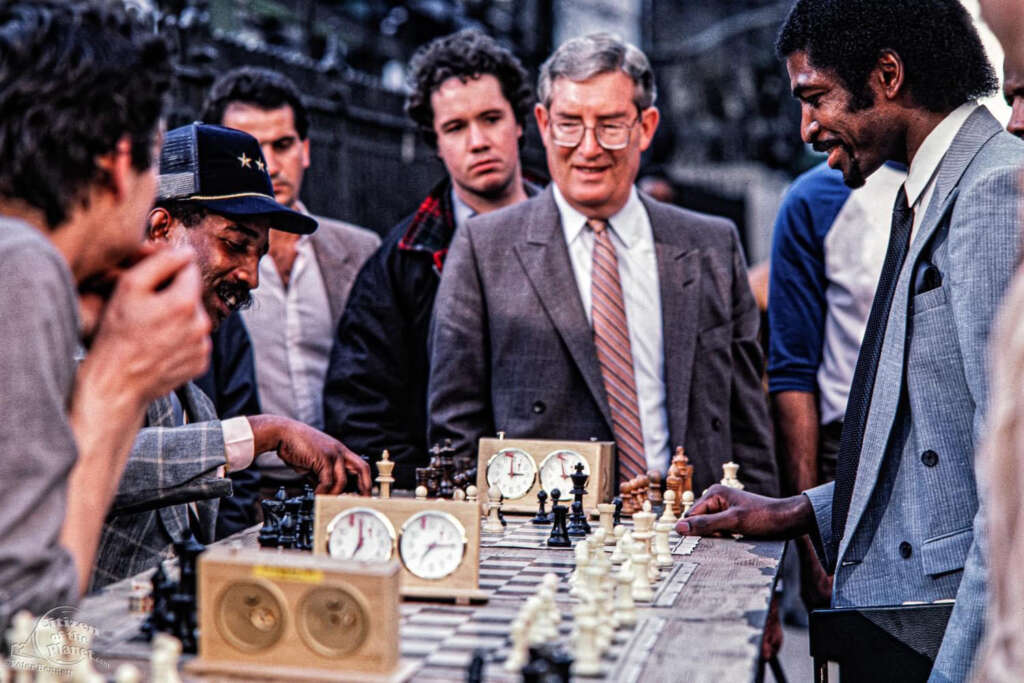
(215, 195)
(903, 521)
(671, 357)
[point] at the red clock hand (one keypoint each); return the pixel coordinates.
(359, 544)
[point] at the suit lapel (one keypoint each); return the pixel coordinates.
(678, 278)
(545, 258)
(978, 128)
(333, 265)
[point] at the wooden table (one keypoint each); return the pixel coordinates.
(705, 623)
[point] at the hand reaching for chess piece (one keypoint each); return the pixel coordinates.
(723, 510)
(309, 450)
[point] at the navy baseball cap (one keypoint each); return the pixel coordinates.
(224, 170)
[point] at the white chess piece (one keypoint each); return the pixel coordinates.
(493, 524)
(642, 591)
(164, 654)
(588, 657)
(662, 550)
(617, 554)
(605, 513)
(731, 478)
(687, 501)
(520, 647)
(421, 492)
(385, 466)
(576, 580)
(459, 495)
(668, 516)
(625, 607)
(127, 673)
(471, 493)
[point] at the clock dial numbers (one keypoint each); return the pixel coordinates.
(432, 544)
(513, 471)
(360, 533)
(557, 469)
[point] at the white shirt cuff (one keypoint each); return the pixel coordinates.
(239, 443)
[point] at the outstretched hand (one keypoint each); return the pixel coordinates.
(724, 510)
(309, 450)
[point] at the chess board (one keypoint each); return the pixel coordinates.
(520, 532)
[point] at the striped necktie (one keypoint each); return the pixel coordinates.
(614, 353)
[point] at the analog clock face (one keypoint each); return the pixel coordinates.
(432, 544)
(556, 471)
(361, 534)
(513, 471)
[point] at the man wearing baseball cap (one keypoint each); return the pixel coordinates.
(215, 196)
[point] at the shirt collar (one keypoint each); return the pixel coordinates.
(463, 211)
(626, 222)
(931, 151)
(301, 208)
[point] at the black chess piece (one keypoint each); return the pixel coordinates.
(559, 537)
(536, 670)
(578, 525)
(188, 550)
(501, 515)
(617, 517)
(307, 502)
(287, 537)
(555, 496)
(269, 536)
(475, 671)
(446, 463)
(561, 664)
(158, 594)
(542, 517)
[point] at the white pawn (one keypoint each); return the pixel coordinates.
(459, 495)
(605, 512)
(642, 591)
(662, 550)
(687, 501)
(421, 492)
(127, 673)
(576, 579)
(588, 657)
(163, 661)
(619, 554)
(625, 607)
(668, 516)
(549, 582)
(493, 524)
(471, 493)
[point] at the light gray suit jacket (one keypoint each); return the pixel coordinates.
(169, 467)
(512, 350)
(341, 250)
(914, 531)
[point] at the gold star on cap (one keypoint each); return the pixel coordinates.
(244, 160)
(259, 164)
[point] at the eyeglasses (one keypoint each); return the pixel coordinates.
(610, 136)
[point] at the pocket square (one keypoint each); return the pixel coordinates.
(926, 277)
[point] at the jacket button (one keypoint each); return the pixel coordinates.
(930, 458)
(539, 407)
(716, 424)
(905, 550)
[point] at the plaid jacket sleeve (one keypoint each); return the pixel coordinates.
(170, 465)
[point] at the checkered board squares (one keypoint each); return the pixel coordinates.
(442, 640)
(520, 533)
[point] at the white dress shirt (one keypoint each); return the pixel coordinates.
(292, 332)
(921, 174)
(633, 238)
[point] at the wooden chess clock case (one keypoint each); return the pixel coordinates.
(462, 585)
(289, 615)
(599, 457)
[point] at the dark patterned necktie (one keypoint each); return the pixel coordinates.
(614, 352)
(859, 403)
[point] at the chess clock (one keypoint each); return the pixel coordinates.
(557, 468)
(513, 471)
(360, 533)
(438, 541)
(545, 464)
(295, 616)
(432, 544)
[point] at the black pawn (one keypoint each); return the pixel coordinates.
(561, 664)
(617, 517)
(555, 497)
(475, 672)
(559, 537)
(188, 550)
(158, 594)
(542, 517)
(287, 537)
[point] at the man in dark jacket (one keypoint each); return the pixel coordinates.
(469, 97)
